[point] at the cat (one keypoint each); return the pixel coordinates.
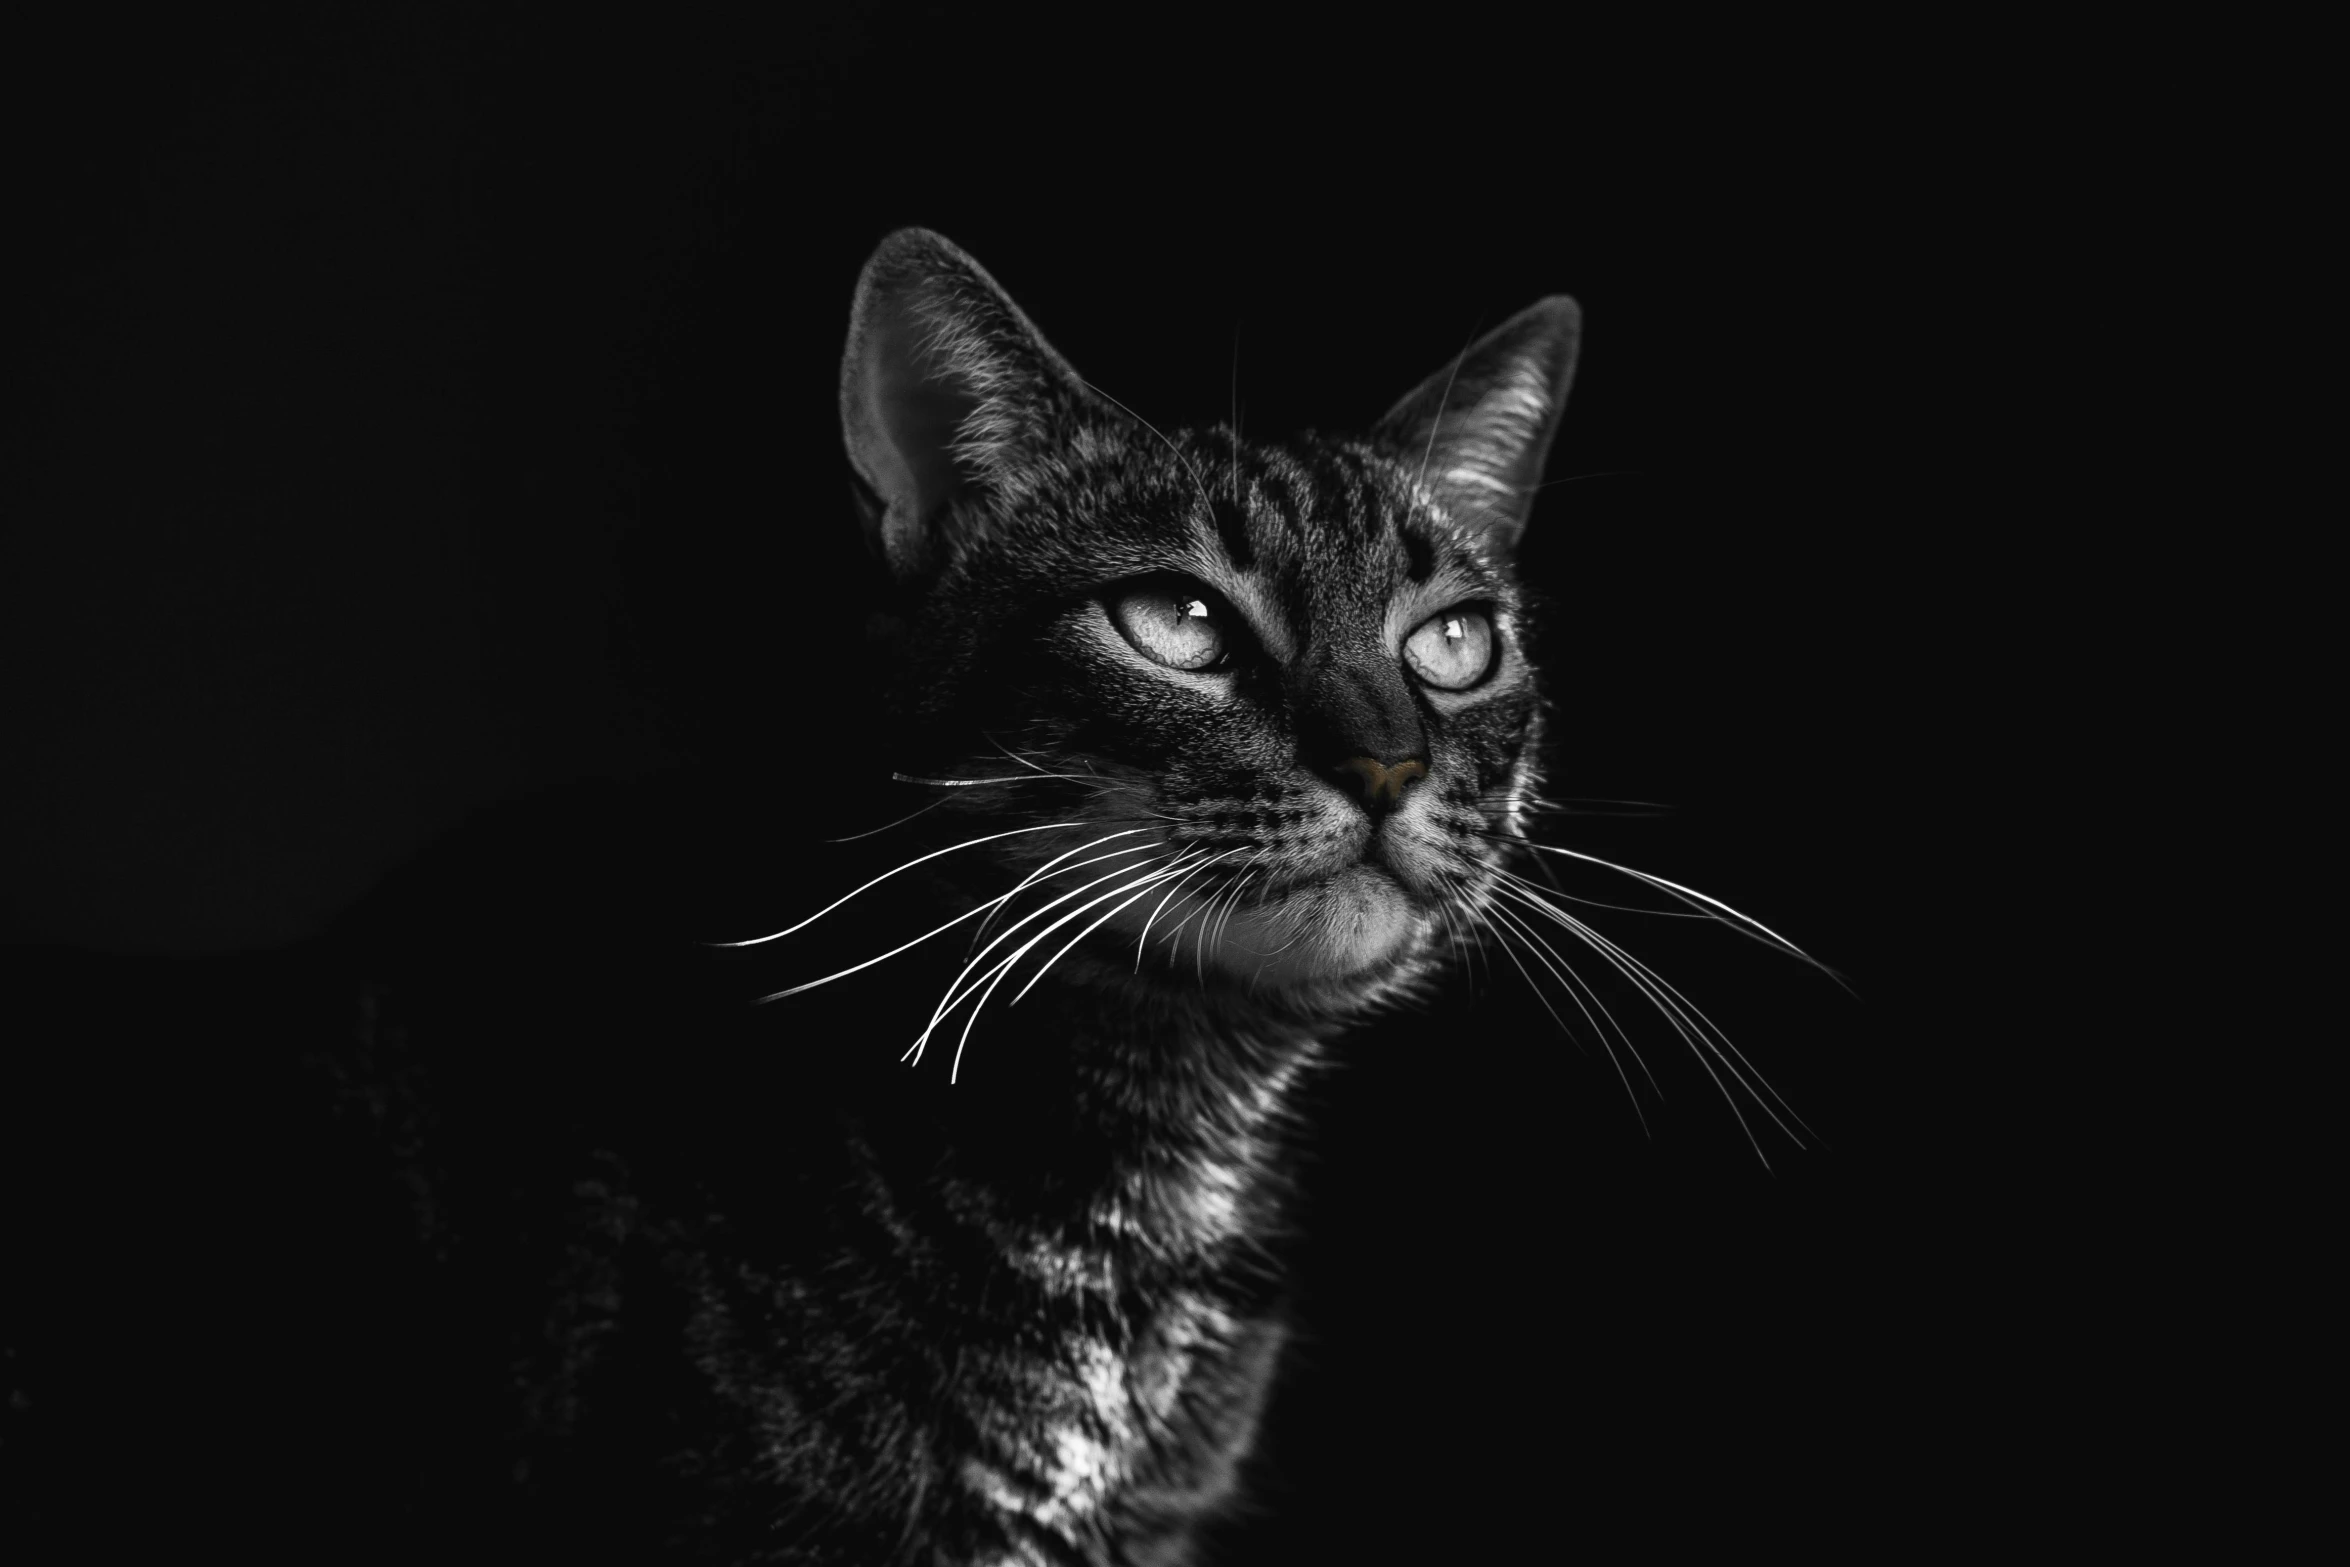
(1284, 688)
(1227, 745)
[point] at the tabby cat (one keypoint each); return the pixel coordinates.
(1226, 744)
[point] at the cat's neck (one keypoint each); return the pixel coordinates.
(1123, 1124)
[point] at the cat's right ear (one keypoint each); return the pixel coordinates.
(1476, 432)
(946, 393)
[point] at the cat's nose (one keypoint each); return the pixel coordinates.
(1378, 785)
(1360, 728)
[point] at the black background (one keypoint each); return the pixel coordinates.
(417, 417)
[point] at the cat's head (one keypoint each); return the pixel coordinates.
(1278, 691)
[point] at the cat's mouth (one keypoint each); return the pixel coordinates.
(1347, 902)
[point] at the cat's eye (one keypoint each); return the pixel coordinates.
(1451, 651)
(1177, 624)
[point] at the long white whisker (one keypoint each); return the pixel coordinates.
(873, 832)
(1465, 929)
(1706, 1040)
(1234, 907)
(1014, 756)
(956, 990)
(996, 975)
(1745, 924)
(1149, 883)
(886, 875)
(1180, 455)
(1509, 922)
(1199, 898)
(1143, 941)
(1171, 892)
(1199, 937)
(991, 979)
(1697, 1045)
(1525, 892)
(1231, 897)
(1437, 422)
(1591, 805)
(891, 953)
(991, 904)
(1545, 954)
(1045, 871)
(966, 783)
(1236, 496)
(1556, 891)
(1613, 951)
(1727, 1050)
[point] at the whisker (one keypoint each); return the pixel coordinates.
(1199, 937)
(1013, 755)
(1696, 1043)
(1452, 934)
(1538, 946)
(970, 843)
(891, 953)
(1032, 766)
(1579, 990)
(1234, 908)
(900, 822)
(1171, 892)
(995, 976)
(967, 783)
(1231, 897)
(1236, 495)
(1436, 421)
(1727, 1048)
(1157, 877)
(991, 904)
(1526, 892)
(1575, 478)
(1200, 899)
(1045, 871)
(1715, 908)
(956, 990)
(1704, 1037)
(1598, 807)
(1003, 970)
(1557, 891)
(1180, 455)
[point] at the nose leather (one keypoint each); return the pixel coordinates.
(1380, 785)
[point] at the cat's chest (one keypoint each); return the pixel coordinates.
(1127, 1355)
(1073, 1431)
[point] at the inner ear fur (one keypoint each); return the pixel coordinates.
(1478, 429)
(947, 392)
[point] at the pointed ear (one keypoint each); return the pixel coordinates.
(946, 393)
(1477, 430)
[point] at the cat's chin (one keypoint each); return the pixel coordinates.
(1357, 925)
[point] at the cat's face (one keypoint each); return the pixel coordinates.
(1282, 690)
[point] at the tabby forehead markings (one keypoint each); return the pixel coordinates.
(1419, 554)
(1232, 531)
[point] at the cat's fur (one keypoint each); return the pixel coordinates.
(1029, 1314)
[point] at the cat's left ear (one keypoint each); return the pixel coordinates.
(1478, 429)
(947, 395)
